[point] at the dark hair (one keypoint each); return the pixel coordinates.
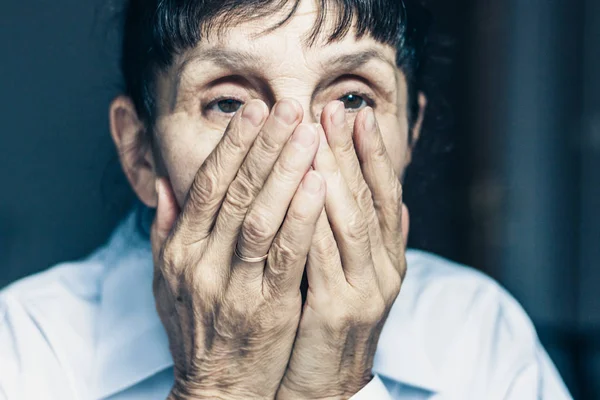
(157, 30)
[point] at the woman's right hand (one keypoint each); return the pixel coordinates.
(231, 324)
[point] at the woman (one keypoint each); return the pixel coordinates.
(271, 138)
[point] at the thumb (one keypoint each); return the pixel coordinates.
(167, 212)
(405, 224)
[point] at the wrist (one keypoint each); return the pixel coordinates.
(289, 390)
(287, 393)
(189, 392)
(206, 395)
(221, 386)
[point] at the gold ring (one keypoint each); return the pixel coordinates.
(250, 259)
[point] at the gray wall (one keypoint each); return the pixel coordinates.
(535, 147)
(550, 221)
(589, 273)
(56, 80)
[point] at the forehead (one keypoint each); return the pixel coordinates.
(287, 45)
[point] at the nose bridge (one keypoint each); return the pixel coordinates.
(301, 92)
(308, 112)
(305, 101)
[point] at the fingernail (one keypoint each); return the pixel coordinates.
(338, 118)
(312, 182)
(254, 112)
(369, 119)
(305, 135)
(286, 112)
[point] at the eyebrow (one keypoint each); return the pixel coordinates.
(352, 61)
(237, 60)
(229, 59)
(347, 63)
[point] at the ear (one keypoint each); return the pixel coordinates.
(416, 130)
(134, 149)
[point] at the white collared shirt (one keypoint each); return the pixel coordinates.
(89, 330)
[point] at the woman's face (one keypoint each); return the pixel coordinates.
(198, 95)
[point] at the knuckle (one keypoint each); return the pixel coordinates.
(358, 313)
(395, 283)
(268, 144)
(364, 196)
(286, 170)
(195, 281)
(172, 257)
(234, 142)
(325, 243)
(369, 310)
(379, 150)
(169, 262)
(235, 310)
(205, 187)
(240, 195)
(375, 309)
(257, 229)
(356, 228)
(378, 306)
(342, 320)
(248, 174)
(391, 201)
(284, 251)
(298, 217)
(346, 149)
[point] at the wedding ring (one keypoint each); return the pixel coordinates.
(250, 259)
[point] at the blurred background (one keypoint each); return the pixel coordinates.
(506, 177)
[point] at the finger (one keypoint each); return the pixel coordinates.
(324, 266)
(287, 256)
(218, 171)
(266, 214)
(255, 170)
(381, 178)
(166, 215)
(347, 222)
(339, 137)
(164, 219)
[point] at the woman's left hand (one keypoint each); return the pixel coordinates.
(356, 263)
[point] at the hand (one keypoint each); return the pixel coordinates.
(231, 324)
(355, 265)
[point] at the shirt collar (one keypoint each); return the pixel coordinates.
(132, 344)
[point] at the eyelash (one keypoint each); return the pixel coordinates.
(216, 101)
(366, 97)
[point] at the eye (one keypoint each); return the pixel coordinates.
(226, 106)
(353, 101)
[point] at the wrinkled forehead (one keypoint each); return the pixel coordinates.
(265, 41)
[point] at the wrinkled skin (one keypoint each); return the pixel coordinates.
(223, 173)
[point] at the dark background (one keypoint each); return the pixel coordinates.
(506, 177)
